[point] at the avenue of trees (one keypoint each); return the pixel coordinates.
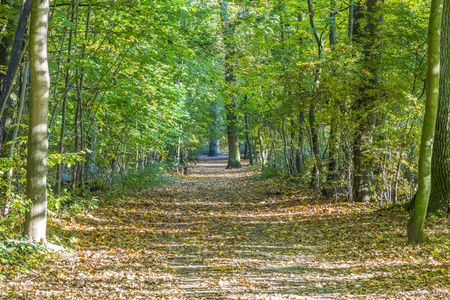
(327, 93)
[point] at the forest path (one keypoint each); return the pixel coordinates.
(221, 234)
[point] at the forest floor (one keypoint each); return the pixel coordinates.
(222, 234)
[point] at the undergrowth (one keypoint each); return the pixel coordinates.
(20, 257)
(153, 175)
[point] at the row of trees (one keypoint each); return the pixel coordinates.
(332, 92)
(329, 93)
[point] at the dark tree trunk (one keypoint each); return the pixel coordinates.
(213, 147)
(213, 128)
(16, 55)
(315, 176)
(299, 152)
(332, 163)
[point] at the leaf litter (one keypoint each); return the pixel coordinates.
(220, 234)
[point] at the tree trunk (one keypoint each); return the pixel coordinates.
(249, 144)
(417, 218)
(299, 152)
(332, 164)
(362, 161)
(213, 138)
(440, 162)
(59, 166)
(23, 88)
(234, 155)
(315, 176)
(213, 147)
(351, 18)
(16, 56)
(36, 217)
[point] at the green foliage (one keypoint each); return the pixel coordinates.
(270, 172)
(152, 175)
(21, 255)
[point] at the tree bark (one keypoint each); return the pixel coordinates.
(440, 163)
(362, 161)
(16, 56)
(234, 155)
(36, 216)
(417, 218)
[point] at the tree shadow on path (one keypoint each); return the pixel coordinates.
(220, 234)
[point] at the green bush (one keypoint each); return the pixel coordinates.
(18, 256)
(153, 175)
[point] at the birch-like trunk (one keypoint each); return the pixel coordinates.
(36, 216)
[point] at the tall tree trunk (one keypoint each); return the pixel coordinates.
(332, 164)
(36, 216)
(440, 162)
(417, 218)
(315, 178)
(234, 155)
(59, 167)
(13, 67)
(362, 161)
(299, 152)
(23, 88)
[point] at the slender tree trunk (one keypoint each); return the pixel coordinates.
(36, 216)
(417, 218)
(213, 128)
(247, 136)
(315, 178)
(332, 163)
(59, 167)
(351, 18)
(440, 163)
(11, 72)
(299, 152)
(23, 88)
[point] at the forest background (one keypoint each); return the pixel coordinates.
(328, 94)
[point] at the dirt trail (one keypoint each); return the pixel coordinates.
(219, 234)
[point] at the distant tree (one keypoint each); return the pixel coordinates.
(234, 155)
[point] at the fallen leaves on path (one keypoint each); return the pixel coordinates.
(223, 235)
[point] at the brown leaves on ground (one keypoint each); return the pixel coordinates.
(221, 235)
